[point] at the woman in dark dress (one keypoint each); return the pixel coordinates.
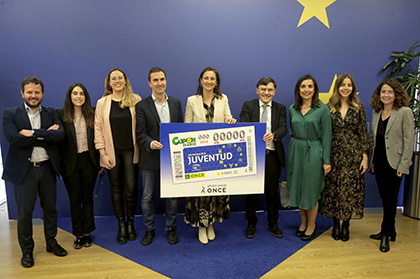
(79, 161)
(391, 149)
(344, 191)
(115, 138)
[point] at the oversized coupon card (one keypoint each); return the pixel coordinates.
(202, 159)
(213, 154)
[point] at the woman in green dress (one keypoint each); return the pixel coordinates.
(308, 159)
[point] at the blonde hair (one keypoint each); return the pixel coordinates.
(128, 96)
(352, 100)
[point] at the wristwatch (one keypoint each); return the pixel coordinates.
(33, 133)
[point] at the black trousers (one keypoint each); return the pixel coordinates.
(388, 185)
(80, 186)
(37, 180)
(271, 186)
(123, 179)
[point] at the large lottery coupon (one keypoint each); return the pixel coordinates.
(212, 154)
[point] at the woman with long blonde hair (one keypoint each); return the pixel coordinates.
(115, 138)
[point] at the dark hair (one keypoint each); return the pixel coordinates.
(401, 96)
(155, 70)
(87, 110)
(298, 98)
(265, 81)
(35, 80)
(217, 92)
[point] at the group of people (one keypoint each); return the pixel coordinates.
(327, 155)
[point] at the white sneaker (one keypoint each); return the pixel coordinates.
(210, 232)
(202, 235)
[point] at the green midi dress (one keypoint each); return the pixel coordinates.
(309, 149)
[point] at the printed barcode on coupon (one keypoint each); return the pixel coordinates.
(250, 154)
(177, 159)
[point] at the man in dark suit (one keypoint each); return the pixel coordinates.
(150, 112)
(32, 165)
(265, 110)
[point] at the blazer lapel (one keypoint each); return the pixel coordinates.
(392, 118)
(24, 116)
(73, 132)
(151, 105)
(44, 119)
(274, 116)
(375, 120)
(172, 111)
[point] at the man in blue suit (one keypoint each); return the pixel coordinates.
(150, 112)
(265, 110)
(32, 164)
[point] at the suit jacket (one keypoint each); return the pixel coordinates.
(251, 113)
(103, 132)
(68, 147)
(20, 150)
(399, 138)
(148, 129)
(195, 112)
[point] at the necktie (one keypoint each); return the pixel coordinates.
(263, 118)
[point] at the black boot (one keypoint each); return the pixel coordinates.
(122, 231)
(131, 231)
(336, 232)
(384, 246)
(345, 233)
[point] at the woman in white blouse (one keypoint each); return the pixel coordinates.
(208, 105)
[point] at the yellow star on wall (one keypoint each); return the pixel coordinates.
(325, 97)
(315, 8)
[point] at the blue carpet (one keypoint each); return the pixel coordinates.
(230, 255)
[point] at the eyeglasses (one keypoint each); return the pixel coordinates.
(269, 90)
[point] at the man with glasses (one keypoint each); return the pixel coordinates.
(265, 110)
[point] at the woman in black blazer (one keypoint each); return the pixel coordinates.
(79, 161)
(391, 149)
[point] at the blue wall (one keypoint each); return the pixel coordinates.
(80, 41)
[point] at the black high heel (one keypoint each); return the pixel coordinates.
(384, 246)
(306, 237)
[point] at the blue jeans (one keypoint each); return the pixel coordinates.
(149, 179)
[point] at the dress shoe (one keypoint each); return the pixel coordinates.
(300, 233)
(148, 237)
(78, 242)
(172, 237)
(27, 260)
(131, 231)
(384, 246)
(211, 235)
(202, 235)
(275, 230)
(345, 232)
(378, 236)
(250, 231)
(87, 240)
(57, 250)
(306, 237)
(122, 231)
(336, 232)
